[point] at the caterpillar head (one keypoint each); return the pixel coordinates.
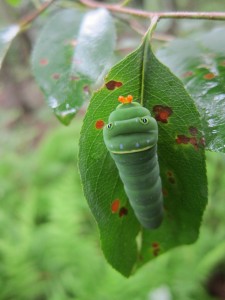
(130, 128)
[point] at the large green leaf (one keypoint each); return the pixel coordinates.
(200, 63)
(72, 54)
(7, 35)
(181, 157)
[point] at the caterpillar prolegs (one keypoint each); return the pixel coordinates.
(131, 137)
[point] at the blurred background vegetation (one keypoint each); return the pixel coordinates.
(49, 243)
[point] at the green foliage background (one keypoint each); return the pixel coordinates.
(49, 243)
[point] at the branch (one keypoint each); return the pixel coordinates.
(31, 17)
(161, 15)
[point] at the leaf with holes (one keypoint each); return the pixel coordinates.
(126, 245)
(71, 56)
(7, 35)
(200, 63)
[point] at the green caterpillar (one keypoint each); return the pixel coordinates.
(131, 137)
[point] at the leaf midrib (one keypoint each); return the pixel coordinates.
(144, 61)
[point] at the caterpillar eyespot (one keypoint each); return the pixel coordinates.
(133, 147)
(109, 126)
(144, 120)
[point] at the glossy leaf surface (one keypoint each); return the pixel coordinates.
(200, 64)
(71, 56)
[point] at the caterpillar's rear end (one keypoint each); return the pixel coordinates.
(131, 137)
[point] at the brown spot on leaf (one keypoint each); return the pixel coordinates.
(209, 76)
(155, 245)
(171, 177)
(111, 85)
(194, 142)
(187, 74)
(43, 61)
(155, 248)
(123, 211)
(99, 124)
(86, 89)
(222, 63)
(162, 113)
(56, 76)
(193, 130)
(169, 173)
(183, 139)
(164, 192)
(74, 78)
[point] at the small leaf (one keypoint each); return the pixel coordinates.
(95, 45)
(7, 35)
(200, 64)
(181, 158)
(71, 56)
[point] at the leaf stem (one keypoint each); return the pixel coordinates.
(31, 17)
(219, 16)
(154, 21)
(146, 41)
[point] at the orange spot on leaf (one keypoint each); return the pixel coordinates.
(112, 84)
(209, 76)
(99, 124)
(115, 206)
(162, 113)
